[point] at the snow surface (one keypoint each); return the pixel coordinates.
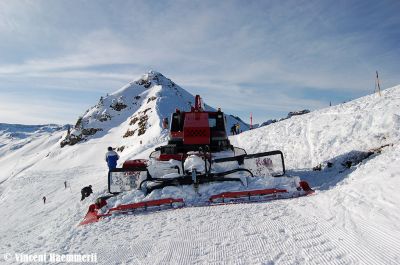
(352, 219)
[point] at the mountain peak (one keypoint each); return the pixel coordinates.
(157, 78)
(153, 77)
(146, 81)
(136, 112)
(153, 74)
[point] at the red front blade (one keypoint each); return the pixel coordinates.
(93, 215)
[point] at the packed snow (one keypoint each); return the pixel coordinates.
(353, 218)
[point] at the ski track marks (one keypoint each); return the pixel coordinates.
(279, 232)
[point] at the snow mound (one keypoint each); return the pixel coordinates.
(308, 140)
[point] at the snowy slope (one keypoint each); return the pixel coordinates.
(307, 140)
(352, 219)
(23, 145)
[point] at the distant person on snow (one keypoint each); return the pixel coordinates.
(233, 129)
(44, 199)
(86, 191)
(111, 158)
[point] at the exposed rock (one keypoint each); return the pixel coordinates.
(142, 124)
(118, 106)
(90, 131)
(121, 148)
(133, 121)
(146, 83)
(71, 140)
(355, 158)
(151, 99)
(129, 133)
(317, 167)
(104, 117)
(78, 123)
(296, 113)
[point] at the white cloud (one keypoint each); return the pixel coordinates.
(33, 111)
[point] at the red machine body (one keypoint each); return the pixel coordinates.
(134, 164)
(195, 128)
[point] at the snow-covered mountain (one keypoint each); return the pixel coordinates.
(20, 131)
(136, 111)
(17, 135)
(352, 219)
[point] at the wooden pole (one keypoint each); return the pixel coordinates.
(377, 85)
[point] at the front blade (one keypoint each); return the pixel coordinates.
(266, 164)
(120, 180)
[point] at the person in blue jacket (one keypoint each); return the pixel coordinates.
(111, 158)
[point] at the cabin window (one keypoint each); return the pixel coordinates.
(212, 122)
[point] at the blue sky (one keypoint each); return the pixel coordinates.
(267, 57)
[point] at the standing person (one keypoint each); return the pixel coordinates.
(237, 128)
(233, 129)
(111, 158)
(44, 199)
(65, 184)
(86, 191)
(165, 123)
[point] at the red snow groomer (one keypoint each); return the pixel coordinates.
(198, 152)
